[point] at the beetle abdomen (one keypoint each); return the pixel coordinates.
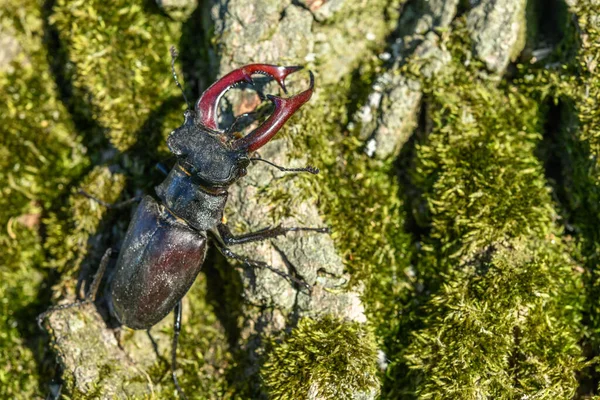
(158, 263)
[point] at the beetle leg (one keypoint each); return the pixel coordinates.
(56, 384)
(259, 264)
(284, 109)
(207, 104)
(120, 204)
(263, 234)
(89, 298)
(176, 331)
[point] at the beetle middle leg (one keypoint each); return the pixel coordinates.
(310, 169)
(242, 121)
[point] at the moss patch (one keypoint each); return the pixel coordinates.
(573, 147)
(120, 56)
(499, 298)
(39, 157)
(322, 359)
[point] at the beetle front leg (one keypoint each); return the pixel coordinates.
(264, 234)
(244, 120)
(120, 204)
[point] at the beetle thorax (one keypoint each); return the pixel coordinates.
(200, 207)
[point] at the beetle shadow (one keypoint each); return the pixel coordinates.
(224, 293)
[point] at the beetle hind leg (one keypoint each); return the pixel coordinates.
(260, 264)
(90, 296)
(176, 331)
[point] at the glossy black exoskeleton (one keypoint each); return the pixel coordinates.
(166, 241)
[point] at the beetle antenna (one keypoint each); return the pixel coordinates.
(174, 55)
(310, 169)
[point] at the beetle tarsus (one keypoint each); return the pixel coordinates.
(90, 296)
(42, 317)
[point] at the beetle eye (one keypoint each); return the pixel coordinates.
(243, 163)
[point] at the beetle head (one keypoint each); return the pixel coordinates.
(212, 156)
(206, 155)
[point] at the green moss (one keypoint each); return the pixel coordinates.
(120, 53)
(326, 359)
(493, 300)
(20, 286)
(499, 309)
(477, 170)
(503, 326)
(580, 136)
(346, 49)
(573, 144)
(40, 153)
(360, 199)
(71, 227)
(39, 157)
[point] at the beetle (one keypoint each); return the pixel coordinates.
(166, 241)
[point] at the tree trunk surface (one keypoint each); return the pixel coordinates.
(457, 144)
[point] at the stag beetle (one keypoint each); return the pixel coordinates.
(166, 242)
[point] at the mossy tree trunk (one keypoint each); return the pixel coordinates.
(458, 147)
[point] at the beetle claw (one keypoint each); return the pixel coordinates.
(206, 107)
(284, 109)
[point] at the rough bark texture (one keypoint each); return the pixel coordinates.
(498, 31)
(387, 121)
(288, 34)
(91, 357)
(448, 272)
